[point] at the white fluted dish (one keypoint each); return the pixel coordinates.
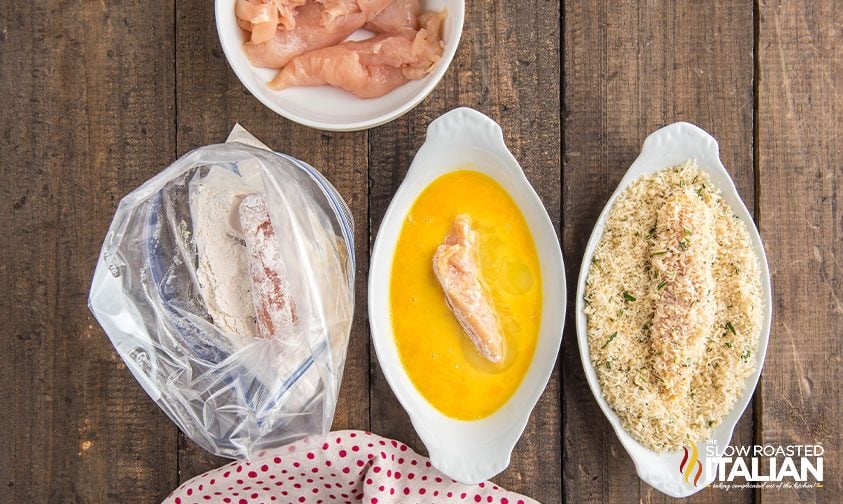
(468, 451)
(666, 147)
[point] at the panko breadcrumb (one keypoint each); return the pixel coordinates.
(673, 301)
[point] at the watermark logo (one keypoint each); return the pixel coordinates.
(767, 466)
(691, 465)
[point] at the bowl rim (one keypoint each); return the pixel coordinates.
(653, 158)
(232, 53)
(503, 428)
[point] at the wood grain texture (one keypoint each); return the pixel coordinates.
(210, 101)
(800, 164)
(88, 105)
(631, 68)
(507, 67)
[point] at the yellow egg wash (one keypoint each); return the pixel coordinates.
(439, 358)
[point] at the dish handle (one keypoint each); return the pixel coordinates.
(466, 126)
(466, 460)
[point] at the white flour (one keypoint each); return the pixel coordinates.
(223, 271)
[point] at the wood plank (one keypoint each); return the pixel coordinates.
(631, 68)
(210, 101)
(800, 149)
(521, 91)
(87, 93)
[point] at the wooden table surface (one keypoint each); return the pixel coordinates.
(99, 96)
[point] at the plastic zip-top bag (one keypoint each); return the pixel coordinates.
(226, 284)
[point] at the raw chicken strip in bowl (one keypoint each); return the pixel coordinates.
(326, 107)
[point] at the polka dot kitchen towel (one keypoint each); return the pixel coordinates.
(350, 466)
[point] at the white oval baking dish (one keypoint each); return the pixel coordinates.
(669, 146)
(468, 451)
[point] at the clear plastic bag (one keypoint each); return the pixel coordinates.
(169, 291)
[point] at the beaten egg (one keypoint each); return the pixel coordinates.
(437, 355)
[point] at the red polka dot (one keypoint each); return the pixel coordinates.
(212, 481)
(277, 460)
(339, 440)
(450, 494)
(225, 474)
(253, 474)
(489, 499)
(389, 473)
(189, 491)
(376, 469)
(296, 464)
(406, 491)
(411, 476)
(462, 495)
(436, 493)
(254, 496)
(226, 499)
(414, 462)
(360, 463)
(422, 491)
(353, 434)
(403, 447)
(178, 500)
(520, 501)
(342, 453)
(302, 499)
(401, 460)
(391, 491)
(355, 448)
(264, 468)
(374, 500)
(439, 480)
(381, 488)
(346, 470)
(477, 498)
(328, 463)
(239, 468)
(243, 501)
(481, 485)
(397, 475)
(314, 470)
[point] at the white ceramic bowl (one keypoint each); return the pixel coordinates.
(468, 451)
(670, 146)
(330, 108)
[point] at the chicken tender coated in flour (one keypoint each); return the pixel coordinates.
(682, 257)
(456, 265)
(369, 68)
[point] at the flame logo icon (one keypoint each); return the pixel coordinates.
(686, 466)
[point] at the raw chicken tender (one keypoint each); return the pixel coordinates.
(263, 17)
(369, 68)
(309, 33)
(270, 286)
(336, 9)
(397, 16)
(456, 265)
